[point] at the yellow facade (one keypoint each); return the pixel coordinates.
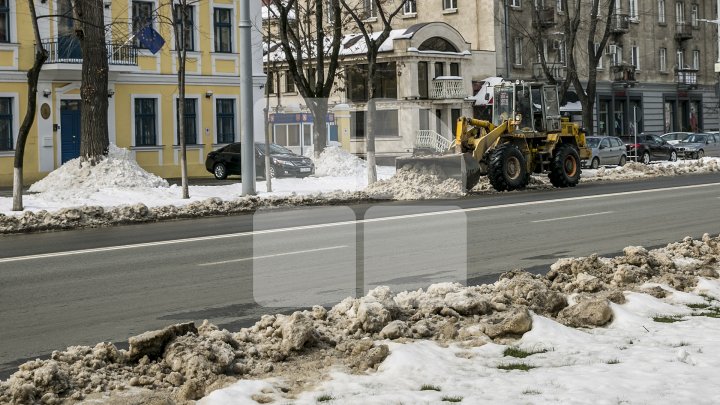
(210, 75)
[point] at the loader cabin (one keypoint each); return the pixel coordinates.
(534, 107)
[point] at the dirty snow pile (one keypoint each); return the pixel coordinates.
(334, 161)
(587, 318)
(634, 170)
(117, 170)
(418, 182)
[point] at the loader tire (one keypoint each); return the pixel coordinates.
(507, 170)
(565, 167)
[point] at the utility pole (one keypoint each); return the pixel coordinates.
(247, 158)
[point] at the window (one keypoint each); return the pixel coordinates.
(142, 17)
(562, 53)
(516, 3)
(289, 82)
(679, 13)
(370, 10)
(386, 123)
(560, 7)
(223, 30)
(696, 60)
(600, 59)
(225, 113)
(455, 69)
(357, 121)
(410, 7)
(616, 55)
(6, 124)
(385, 81)
(423, 80)
(439, 69)
(449, 4)
(517, 51)
(661, 11)
(635, 57)
(145, 122)
(330, 12)
(4, 20)
(634, 10)
(663, 59)
(189, 27)
(694, 15)
(680, 59)
(190, 121)
(270, 86)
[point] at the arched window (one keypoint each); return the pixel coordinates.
(438, 44)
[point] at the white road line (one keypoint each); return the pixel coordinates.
(573, 217)
(275, 255)
(353, 222)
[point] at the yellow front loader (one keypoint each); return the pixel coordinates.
(526, 135)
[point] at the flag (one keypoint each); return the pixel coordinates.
(150, 39)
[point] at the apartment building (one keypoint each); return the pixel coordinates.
(657, 70)
(143, 87)
(426, 72)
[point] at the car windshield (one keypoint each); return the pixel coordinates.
(695, 139)
(593, 142)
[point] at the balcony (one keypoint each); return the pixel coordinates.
(686, 77)
(620, 23)
(683, 31)
(447, 87)
(67, 51)
(557, 70)
(544, 16)
(623, 73)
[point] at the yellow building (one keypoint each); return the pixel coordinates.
(142, 85)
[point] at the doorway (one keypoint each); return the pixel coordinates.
(69, 129)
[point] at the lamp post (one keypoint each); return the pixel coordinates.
(247, 160)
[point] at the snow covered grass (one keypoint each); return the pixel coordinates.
(633, 360)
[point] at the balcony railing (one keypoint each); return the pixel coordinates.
(557, 70)
(545, 16)
(448, 87)
(68, 51)
(620, 23)
(427, 139)
(686, 77)
(683, 30)
(623, 73)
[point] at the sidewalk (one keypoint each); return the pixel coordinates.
(6, 191)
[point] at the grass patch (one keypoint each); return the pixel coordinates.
(707, 297)
(325, 398)
(452, 399)
(667, 319)
(520, 353)
(429, 387)
(613, 361)
(682, 344)
(698, 306)
(529, 391)
(515, 366)
(713, 314)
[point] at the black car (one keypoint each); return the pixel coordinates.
(647, 147)
(226, 161)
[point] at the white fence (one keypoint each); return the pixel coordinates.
(447, 88)
(432, 140)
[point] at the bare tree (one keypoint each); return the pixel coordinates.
(311, 55)
(90, 30)
(181, 15)
(33, 75)
(386, 10)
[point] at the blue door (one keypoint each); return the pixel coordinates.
(333, 133)
(69, 129)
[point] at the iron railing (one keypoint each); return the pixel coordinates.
(447, 88)
(557, 70)
(620, 23)
(686, 77)
(68, 51)
(683, 30)
(432, 140)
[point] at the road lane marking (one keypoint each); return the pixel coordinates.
(353, 222)
(275, 255)
(573, 217)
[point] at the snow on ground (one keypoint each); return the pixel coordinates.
(635, 170)
(337, 162)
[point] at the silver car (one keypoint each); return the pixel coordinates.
(673, 138)
(606, 150)
(698, 145)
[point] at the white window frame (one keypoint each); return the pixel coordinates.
(158, 119)
(12, 24)
(694, 15)
(680, 59)
(679, 12)
(370, 10)
(635, 56)
(663, 60)
(696, 59)
(559, 6)
(600, 60)
(633, 10)
(233, 32)
(198, 122)
(328, 12)
(410, 7)
(214, 114)
(449, 4)
(661, 12)
(516, 3)
(517, 52)
(196, 29)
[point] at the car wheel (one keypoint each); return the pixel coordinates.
(645, 158)
(700, 154)
(673, 156)
(272, 172)
(623, 160)
(220, 171)
(595, 163)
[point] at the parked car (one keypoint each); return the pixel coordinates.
(699, 145)
(227, 161)
(674, 137)
(648, 147)
(606, 150)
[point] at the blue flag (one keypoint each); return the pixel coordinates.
(150, 39)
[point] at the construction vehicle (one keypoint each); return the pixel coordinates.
(526, 135)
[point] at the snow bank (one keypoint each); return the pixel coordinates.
(79, 178)
(634, 170)
(417, 183)
(377, 349)
(334, 161)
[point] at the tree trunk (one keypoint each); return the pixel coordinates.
(90, 23)
(370, 121)
(182, 57)
(32, 81)
(319, 111)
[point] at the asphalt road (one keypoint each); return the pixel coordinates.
(81, 287)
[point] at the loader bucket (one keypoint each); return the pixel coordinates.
(461, 166)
